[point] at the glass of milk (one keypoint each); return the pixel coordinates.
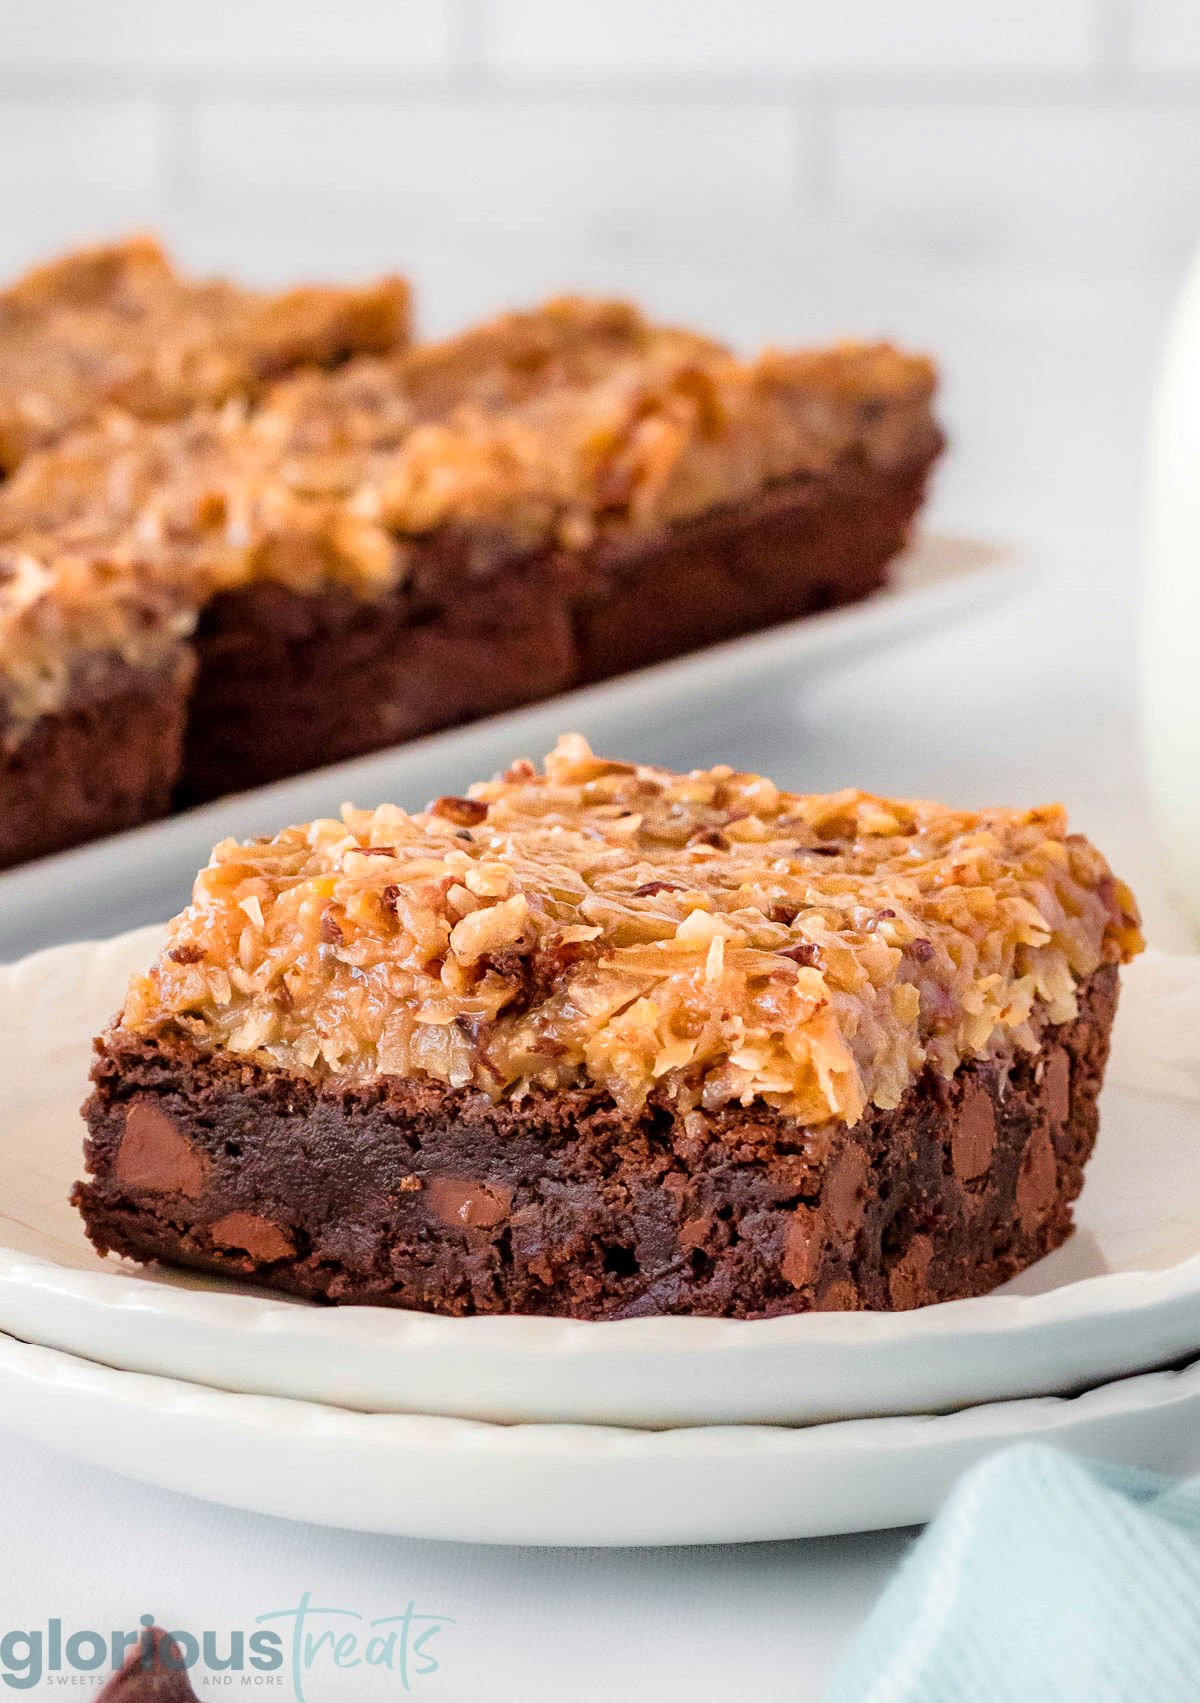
(1171, 638)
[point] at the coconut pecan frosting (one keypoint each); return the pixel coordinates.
(118, 327)
(705, 936)
(538, 430)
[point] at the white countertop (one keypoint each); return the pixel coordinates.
(1046, 401)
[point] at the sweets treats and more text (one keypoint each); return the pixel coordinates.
(246, 534)
(602, 1040)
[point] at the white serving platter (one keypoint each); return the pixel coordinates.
(1121, 1297)
(146, 874)
(455, 1479)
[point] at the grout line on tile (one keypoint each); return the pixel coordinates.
(1114, 42)
(470, 46)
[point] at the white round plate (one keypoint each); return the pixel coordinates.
(457, 1479)
(1123, 1296)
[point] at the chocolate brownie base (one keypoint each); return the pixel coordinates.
(288, 682)
(105, 762)
(803, 546)
(406, 1194)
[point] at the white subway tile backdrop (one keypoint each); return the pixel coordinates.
(979, 130)
(1166, 35)
(243, 38)
(801, 37)
(1040, 183)
(604, 167)
(93, 143)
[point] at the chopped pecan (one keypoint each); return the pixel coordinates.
(465, 812)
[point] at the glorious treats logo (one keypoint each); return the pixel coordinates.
(305, 1652)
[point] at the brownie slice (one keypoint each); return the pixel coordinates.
(555, 499)
(289, 681)
(96, 680)
(105, 761)
(93, 698)
(413, 541)
(607, 1041)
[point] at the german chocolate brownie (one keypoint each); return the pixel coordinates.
(94, 675)
(416, 539)
(606, 1041)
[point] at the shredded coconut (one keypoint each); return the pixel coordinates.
(735, 943)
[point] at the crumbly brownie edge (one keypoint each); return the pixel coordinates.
(105, 762)
(288, 683)
(404, 1194)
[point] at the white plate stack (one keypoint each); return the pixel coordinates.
(523, 1430)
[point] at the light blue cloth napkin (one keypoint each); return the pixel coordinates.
(1044, 1578)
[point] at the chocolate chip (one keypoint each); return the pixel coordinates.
(155, 1154)
(973, 1139)
(816, 851)
(154, 1672)
(844, 1196)
(461, 1200)
(1037, 1182)
(1056, 1085)
(255, 1235)
(465, 812)
(803, 1247)
(921, 949)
